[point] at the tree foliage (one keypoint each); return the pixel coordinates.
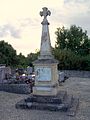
(74, 39)
(72, 48)
(31, 57)
(7, 54)
(22, 61)
(68, 60)
(9, 57)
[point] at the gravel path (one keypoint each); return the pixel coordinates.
(79, 87)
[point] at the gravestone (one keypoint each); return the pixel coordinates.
(45, 94)
(5, 72)
(29, 70)
(61, 76)
(2, 73)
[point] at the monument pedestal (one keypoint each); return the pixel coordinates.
(46, 80)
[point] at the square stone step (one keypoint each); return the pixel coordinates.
(58, 99)
(69, 104)
(49, 103)
(51, 107)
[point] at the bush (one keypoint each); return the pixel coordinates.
(85, 63)
(70, 61)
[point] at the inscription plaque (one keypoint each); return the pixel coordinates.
(43, 74)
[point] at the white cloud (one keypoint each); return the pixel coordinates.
(9, 29)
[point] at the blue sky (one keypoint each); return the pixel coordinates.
(20, 22)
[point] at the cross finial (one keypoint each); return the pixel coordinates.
(45, 12)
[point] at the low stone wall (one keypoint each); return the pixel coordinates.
(74, 73)
(16, 88)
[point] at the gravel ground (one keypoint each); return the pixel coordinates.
(79, 87)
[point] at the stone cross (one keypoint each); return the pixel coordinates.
(45, 12)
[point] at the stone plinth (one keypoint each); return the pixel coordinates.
(46, 80)
(60, 102)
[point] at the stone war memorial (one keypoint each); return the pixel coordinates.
(46, 92)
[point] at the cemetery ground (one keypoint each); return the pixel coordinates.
(78, 87)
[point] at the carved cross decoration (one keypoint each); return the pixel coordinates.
(45, 12)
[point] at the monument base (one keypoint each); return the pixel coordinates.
(45, 90)
(60, 102)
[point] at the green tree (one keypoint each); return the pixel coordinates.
(74, 39)
(7, 54)
(22, 61)
(31, 57)
(68, 60)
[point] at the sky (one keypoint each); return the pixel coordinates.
(20, 22)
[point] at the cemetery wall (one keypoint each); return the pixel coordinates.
(74, 73)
